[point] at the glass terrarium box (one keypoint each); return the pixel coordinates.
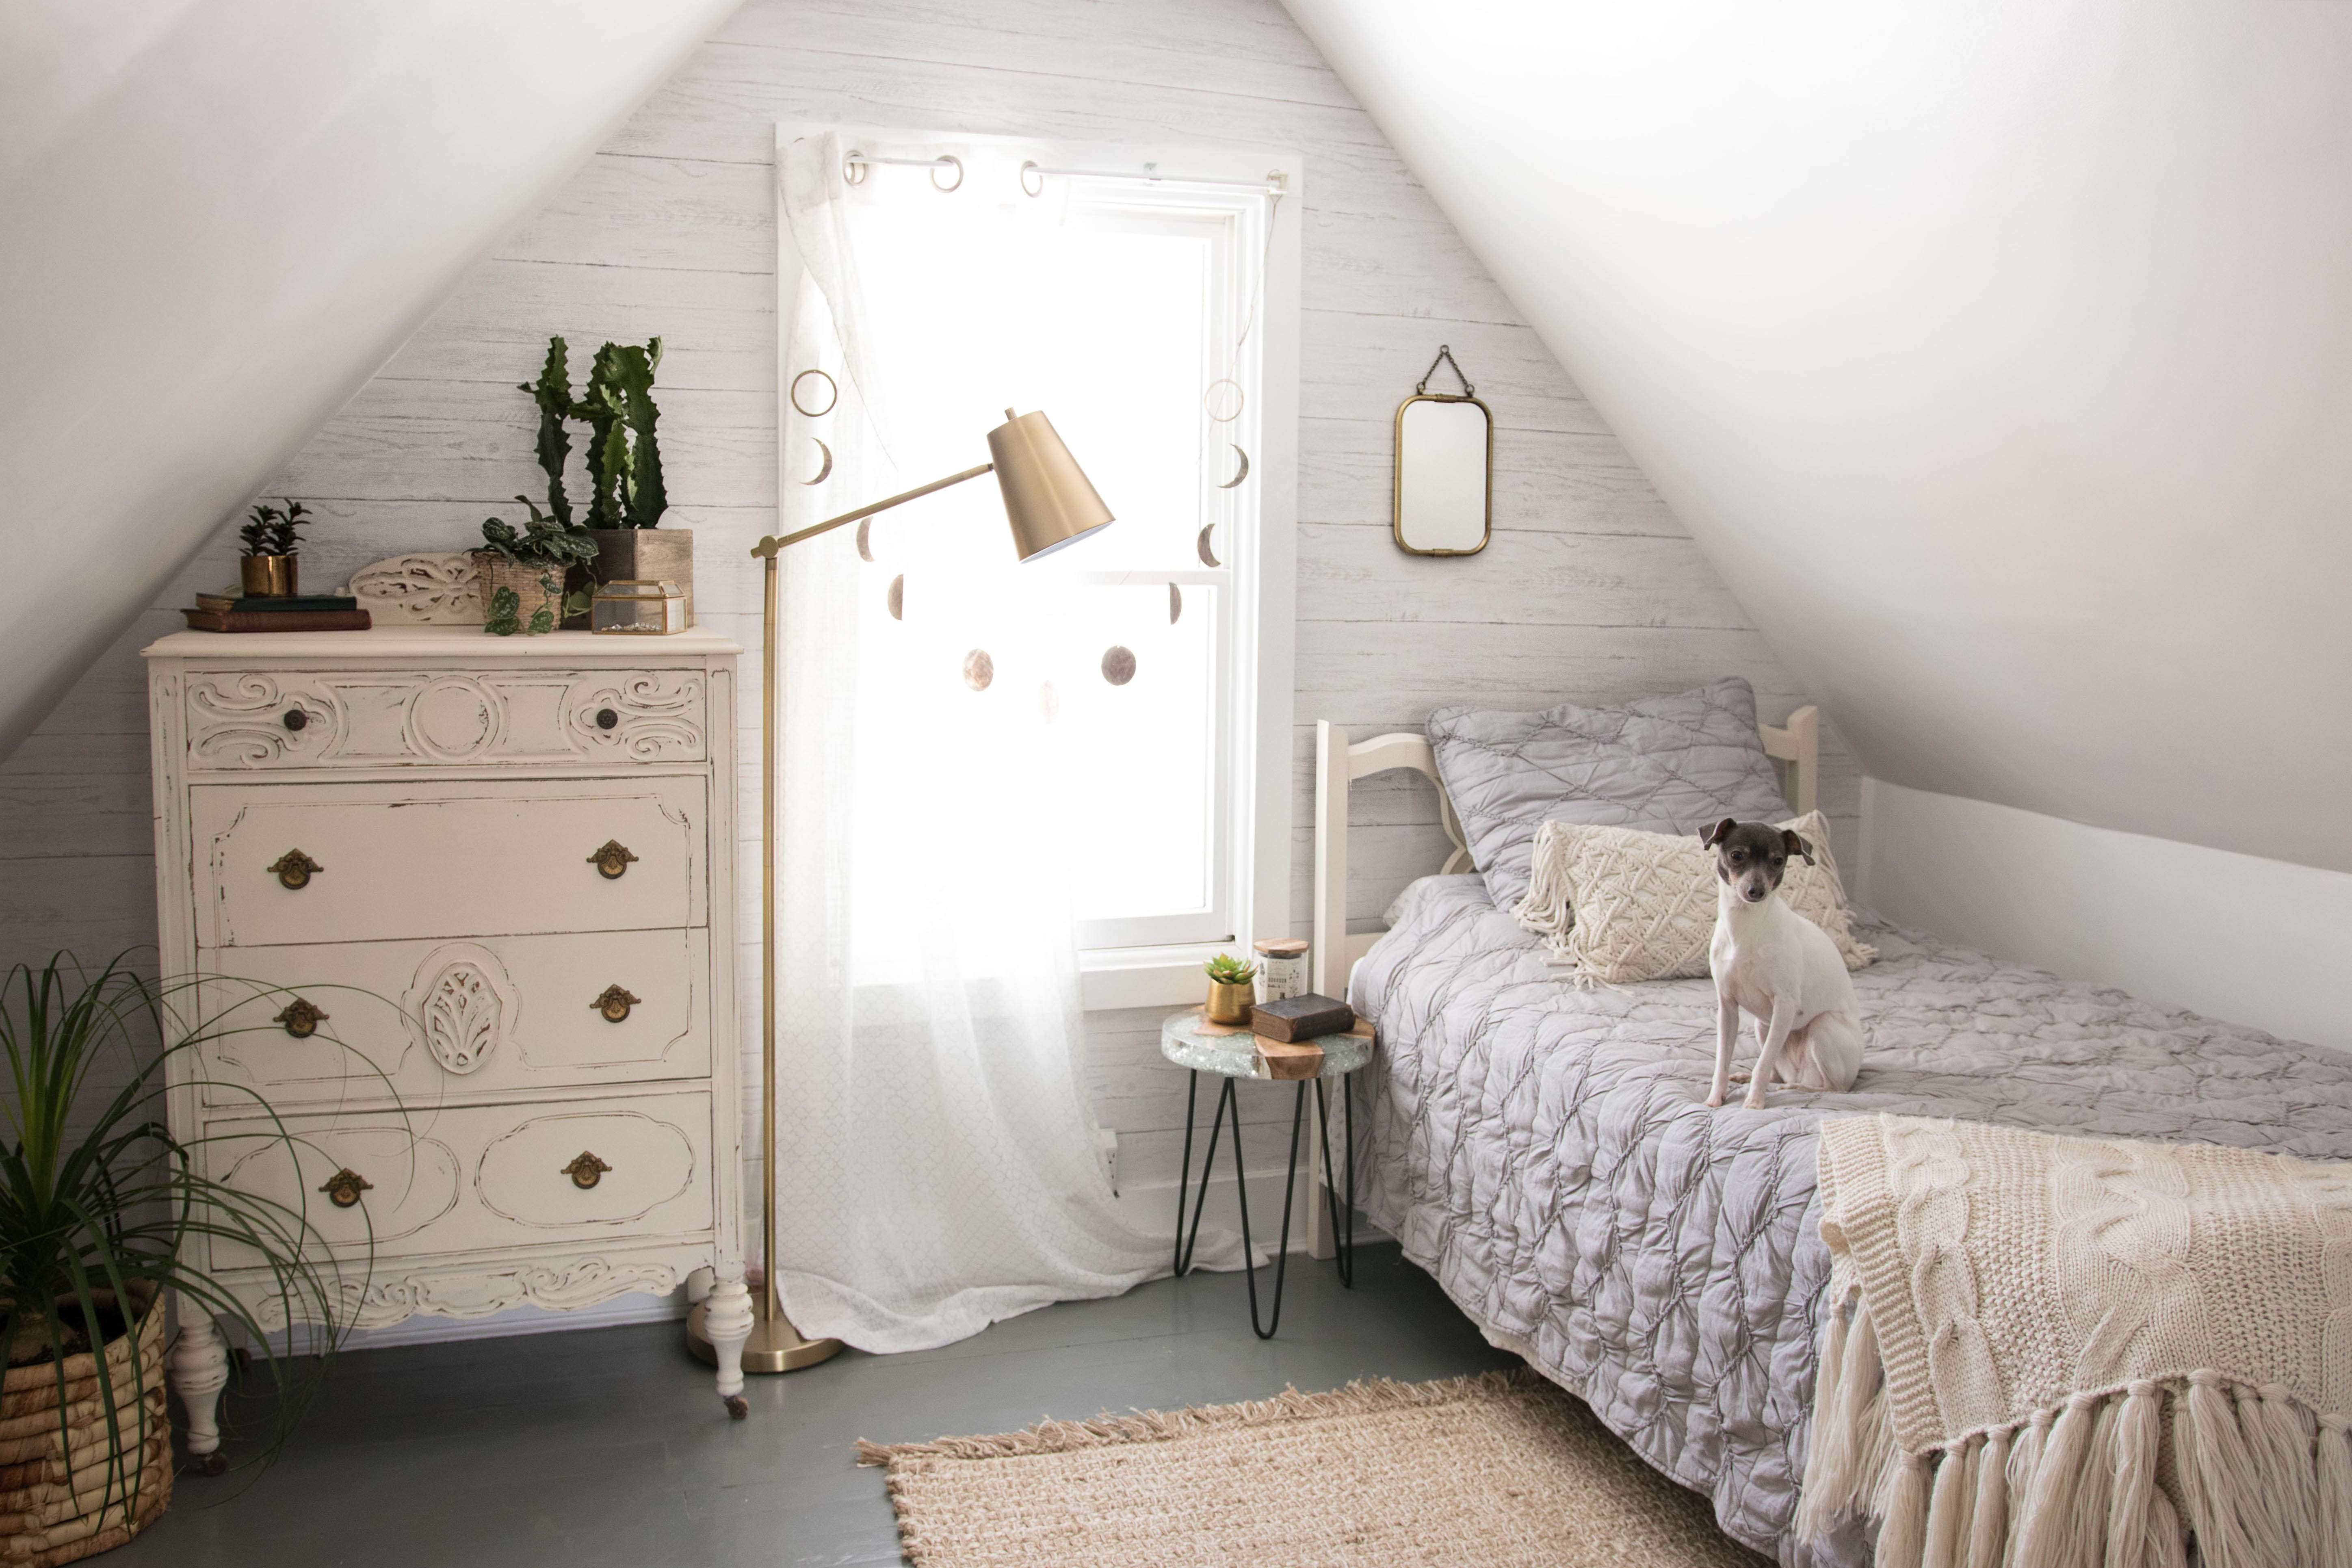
(635, 607)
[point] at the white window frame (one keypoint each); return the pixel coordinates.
(1257, 601)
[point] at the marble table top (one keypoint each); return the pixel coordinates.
(1190, 1041)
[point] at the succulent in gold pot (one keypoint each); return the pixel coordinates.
(1231, 989)
(268, 563)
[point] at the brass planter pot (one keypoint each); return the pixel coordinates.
(269, 577)
(536, 586)
(646, 556)
(1229, 1003)
(115, 1486)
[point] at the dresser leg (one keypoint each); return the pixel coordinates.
(197, 1368)
(727, 1318)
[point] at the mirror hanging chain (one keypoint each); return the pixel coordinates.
(1444, 357)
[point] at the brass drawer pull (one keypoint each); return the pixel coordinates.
(344, 1188)
(612, 860)
(615, 1003)
(295, 870)
(585, 1170)
(301, 1017)
(296, 718)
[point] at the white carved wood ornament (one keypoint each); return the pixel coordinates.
(426, 589)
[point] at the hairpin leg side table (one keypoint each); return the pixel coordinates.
(1199, 1046)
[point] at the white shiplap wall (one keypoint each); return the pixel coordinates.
(1591, 590)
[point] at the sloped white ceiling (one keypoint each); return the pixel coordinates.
(2001, 357)
(216, 219)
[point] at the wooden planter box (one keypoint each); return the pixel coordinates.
(536, 587)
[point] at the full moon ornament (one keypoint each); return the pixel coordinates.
(1118, 665)
(978, 669)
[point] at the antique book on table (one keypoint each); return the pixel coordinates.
(296, 604)
(277, 620)
(1303, 1018)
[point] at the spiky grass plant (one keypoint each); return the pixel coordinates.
(100, 1206)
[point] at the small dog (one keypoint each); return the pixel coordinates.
(1780, 966)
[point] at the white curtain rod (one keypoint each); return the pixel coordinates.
(1273, 185)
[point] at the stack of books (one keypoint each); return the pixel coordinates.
(228, 611)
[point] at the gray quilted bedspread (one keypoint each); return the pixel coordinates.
(1544, 1151)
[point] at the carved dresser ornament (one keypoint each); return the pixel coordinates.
(421, 590)
(615, 1003)
(250, 721)
(463, 1002)
(646, 716)
(302, 1018)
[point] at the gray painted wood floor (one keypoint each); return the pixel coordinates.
(577, 1450)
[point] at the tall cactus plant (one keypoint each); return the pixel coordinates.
(552, 393)
(625, 471)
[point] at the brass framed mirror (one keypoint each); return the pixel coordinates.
(1445, 467)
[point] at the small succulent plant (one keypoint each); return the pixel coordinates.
(1227, 970)
(273, 529)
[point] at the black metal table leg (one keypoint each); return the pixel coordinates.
(1188, 1230)
(1343, 1230)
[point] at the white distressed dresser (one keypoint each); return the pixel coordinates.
(490, 882)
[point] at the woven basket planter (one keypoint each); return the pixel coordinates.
(536, 587)
(64, 1495)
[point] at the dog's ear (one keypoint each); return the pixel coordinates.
(1719, 833)
(1797, 846)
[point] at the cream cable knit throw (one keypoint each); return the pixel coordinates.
(2071, 1353)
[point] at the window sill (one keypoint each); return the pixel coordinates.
(1171, 976)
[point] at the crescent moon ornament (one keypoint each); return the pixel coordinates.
(1208, 556)
(898, 598)
(1175, 603)
(826, 472)
(1239, 476)
(865, 546)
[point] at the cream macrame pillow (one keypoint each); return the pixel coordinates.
(1624, 905)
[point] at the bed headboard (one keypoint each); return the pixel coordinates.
(1338, 763)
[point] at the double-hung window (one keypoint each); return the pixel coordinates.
(1148, 302)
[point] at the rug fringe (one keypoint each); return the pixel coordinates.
(1361, 1396)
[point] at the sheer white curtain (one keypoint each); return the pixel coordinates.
(936, 1168)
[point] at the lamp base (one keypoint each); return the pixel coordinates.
(775, 1345)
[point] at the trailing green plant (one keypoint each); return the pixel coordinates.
(1227, 970)
(273, 529)
(540, 542)
(100, 1206)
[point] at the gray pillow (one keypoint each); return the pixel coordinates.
(1666, 765)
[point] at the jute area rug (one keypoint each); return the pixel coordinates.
(1498, 1469)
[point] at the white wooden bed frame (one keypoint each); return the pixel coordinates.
(1338, 763)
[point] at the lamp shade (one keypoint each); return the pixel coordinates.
(1047, 497)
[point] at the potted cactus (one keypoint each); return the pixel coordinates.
(1230, 990)
(522, 574)
(269, 566)
(626, 494)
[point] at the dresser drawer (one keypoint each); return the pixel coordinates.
(479, 1178)
(255, 719)
(375, 862)
(430, 1021)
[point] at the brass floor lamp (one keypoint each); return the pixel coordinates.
(1050, 503)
